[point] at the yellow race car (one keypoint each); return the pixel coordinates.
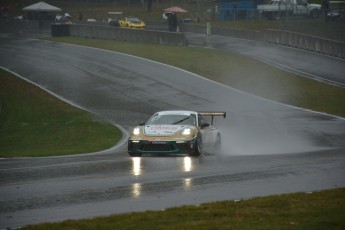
(131, 22)
(176, 132)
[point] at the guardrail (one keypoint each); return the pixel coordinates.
(296, 40)
(305, 42)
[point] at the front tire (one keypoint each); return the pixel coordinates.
(198, 148)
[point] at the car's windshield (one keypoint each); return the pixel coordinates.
(134, 20)
(171, 120)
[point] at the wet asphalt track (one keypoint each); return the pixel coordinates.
(268, 148)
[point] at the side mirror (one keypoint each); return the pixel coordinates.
(141, 123)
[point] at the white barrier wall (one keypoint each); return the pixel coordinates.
(123, 34)
(296, 40)
(311, 43)
(300, 41)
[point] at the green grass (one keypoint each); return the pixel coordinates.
(35, 123)
(321, 210)
(232, 69)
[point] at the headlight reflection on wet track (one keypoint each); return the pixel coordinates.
(187, 167)
(136, 166)
(187, 183)
(136, 190)
(187, 164)
(136, 171)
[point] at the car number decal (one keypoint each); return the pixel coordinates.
(158, 142)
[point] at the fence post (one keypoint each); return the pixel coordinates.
(208, 28)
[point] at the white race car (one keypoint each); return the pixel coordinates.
(176, 132)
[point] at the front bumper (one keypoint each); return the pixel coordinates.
(161, 147)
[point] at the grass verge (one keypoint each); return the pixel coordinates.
(35, 123)
(236, 71)
(320, 210)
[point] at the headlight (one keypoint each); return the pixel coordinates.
(186, 132)
(136, 131)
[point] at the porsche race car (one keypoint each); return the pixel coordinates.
(176, 132)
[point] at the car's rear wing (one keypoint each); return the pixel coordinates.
(213, 114)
